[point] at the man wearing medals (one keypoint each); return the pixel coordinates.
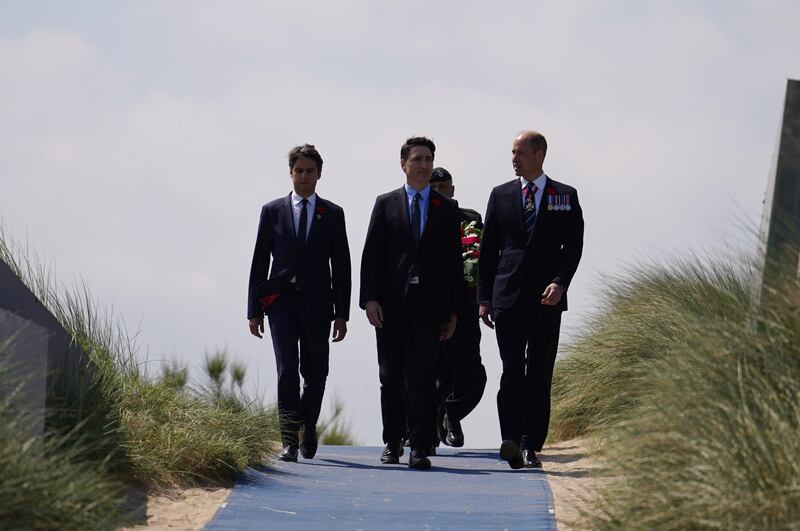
(531, 247)
(460, 375)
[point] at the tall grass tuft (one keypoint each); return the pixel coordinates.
(693, 391)
(176, 437)
(49, 483)
(142, 430)
(335, 430)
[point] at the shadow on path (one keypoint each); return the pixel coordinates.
(401, 467)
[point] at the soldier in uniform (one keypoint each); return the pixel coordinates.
(460, 375)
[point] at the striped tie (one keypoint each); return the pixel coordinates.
(530, 206)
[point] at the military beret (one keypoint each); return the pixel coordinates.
(440, 175)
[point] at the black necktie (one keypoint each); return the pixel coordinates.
(530, 206)
(415, 217)
(301, 231)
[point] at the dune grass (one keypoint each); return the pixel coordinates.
(334, 429)
(116, 425)
(50, 482)
(691, 391)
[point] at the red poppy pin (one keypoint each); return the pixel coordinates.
(320, 210)
(435, 202)
(551, 191)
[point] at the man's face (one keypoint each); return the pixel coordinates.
(526, 163)
(418, 167)
(445, 188)
(305, 175)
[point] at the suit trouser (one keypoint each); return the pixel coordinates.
(407, 345)
(528, 343)
(289, 327)
(460, 375)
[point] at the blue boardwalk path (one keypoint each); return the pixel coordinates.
(346, 487)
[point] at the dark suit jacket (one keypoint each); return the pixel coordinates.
(389, 253)
(511, 264)
(322, 265)
(465, 215)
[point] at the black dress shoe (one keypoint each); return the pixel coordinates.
(391, 454)
(441, 428)
(308, 448)
(289, 454)
(419, 461)
(509, 451)
(530, 460)
(455, 437)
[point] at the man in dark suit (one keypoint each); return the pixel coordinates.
(307, 287)
(532, 243)
(460, 375)
(410, 288)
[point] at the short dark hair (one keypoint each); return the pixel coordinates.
(416, 141)
(306, 151)
(538, 142)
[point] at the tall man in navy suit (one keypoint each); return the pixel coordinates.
(308, 286)
(411, 284)
(532, 243)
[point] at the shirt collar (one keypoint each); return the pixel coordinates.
(540, 181)
(425, 192)
(296, 198)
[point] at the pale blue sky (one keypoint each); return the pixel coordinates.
(139, 139)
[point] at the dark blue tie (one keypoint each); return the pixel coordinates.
(416, 217)
(303, 228)
(530, 206)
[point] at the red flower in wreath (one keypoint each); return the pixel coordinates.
(435, 202)
(551, 191)
(320, 210)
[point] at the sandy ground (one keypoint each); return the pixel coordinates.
(568, 468)
(566, 464)
(184, 509)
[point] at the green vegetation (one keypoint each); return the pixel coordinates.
(691, 392)
(335, 430)
(50, 483)
(117, 426)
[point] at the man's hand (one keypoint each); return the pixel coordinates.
(339, 329)
(374, 313)
(449, 328)
(552, 294)
(486, 314)
(257, 326)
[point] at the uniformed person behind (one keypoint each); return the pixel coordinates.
(460, 375)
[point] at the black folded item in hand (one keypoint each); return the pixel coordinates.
(268, 291)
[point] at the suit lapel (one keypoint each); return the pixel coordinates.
(431, 213)
(513, 204)
(401, 211)
(315, 217)
(287, 217)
